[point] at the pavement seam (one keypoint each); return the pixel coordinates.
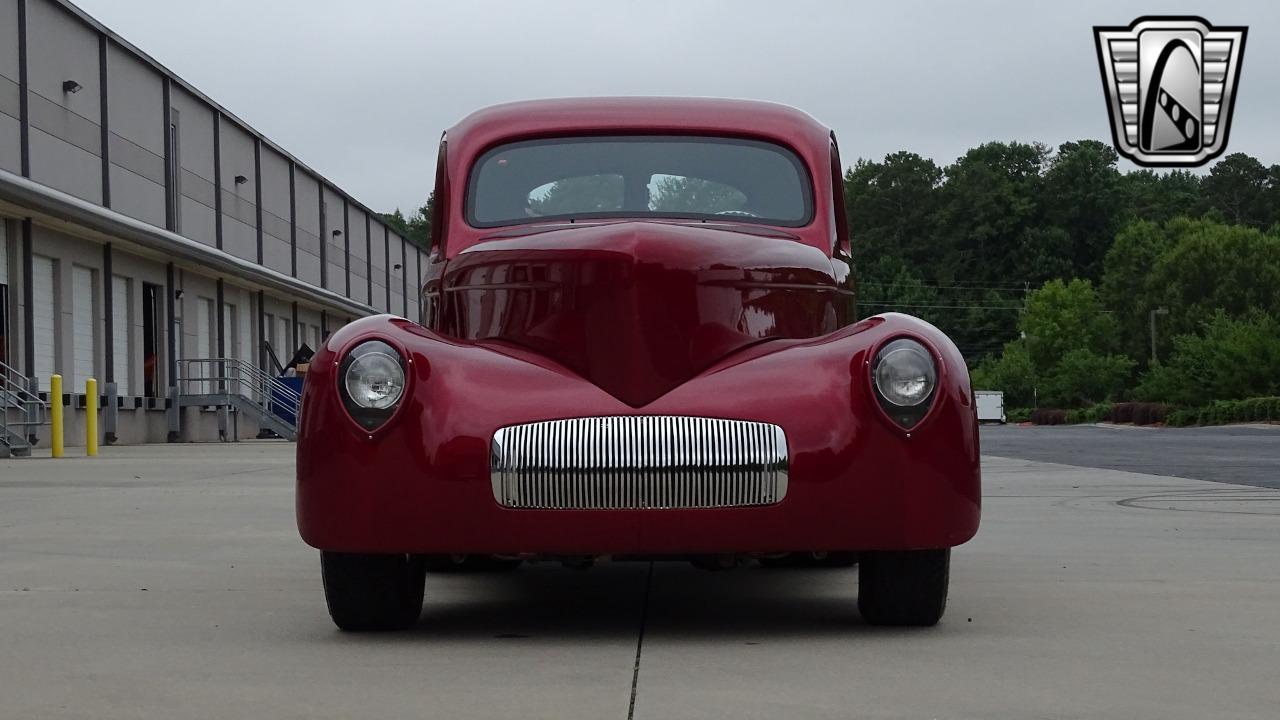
(644, 620)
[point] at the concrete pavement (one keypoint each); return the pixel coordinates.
(169, 582)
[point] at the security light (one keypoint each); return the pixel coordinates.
(71, 86)
(240, 179)
(336, 233)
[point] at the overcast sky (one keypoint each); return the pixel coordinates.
(362, 90)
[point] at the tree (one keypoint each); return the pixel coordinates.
(1083, 377)
(1241, 188)
(1065, 316)
(695, 195)
(892, 207)
(1012, 373)
(1126, 285)
(1160, 197)
(989, 199)
(590, 193)
(1230, 359)
(417, 227)
(1081, 196)
(1213, 267)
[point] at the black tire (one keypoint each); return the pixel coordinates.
(903, 587)
(470, 564)
(812, 560)
(372, 593)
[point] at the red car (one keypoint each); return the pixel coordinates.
(639, 341)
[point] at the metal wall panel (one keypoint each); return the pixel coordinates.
(196, 173)
(135, 118)
(61, 48)
(9, 40)
(276, 250)
(358, 260)
(64, 132)
(397, 275)
(335, 245)
(10, 128)
(378, 268)
(306, 192)
(64, 166)
(239, 211)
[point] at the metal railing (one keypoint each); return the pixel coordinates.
(21, 409)
(230, 376)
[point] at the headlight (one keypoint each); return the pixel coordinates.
(905, 377)
(373, 382)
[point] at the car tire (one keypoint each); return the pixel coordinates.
(373, 593)
(903, 587)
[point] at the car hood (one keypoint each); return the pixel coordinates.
(638, 308)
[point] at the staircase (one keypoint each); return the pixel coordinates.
(227, 383)
(21, 412)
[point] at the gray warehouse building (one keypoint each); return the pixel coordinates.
(152, 240)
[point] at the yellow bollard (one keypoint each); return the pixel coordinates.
(91, 417)
(55, 414)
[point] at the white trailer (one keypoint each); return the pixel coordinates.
(990, 405)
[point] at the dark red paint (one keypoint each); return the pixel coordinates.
(619, 317)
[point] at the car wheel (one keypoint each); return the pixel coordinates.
(811, 560)
(903, 587)
(470, 563)
(373, 592)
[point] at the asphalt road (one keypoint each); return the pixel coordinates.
(1243, 454)
(169, 582)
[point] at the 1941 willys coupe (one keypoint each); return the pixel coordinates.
(639, 341)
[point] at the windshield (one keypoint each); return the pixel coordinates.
(640, 176)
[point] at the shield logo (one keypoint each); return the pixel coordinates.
(1170, 84)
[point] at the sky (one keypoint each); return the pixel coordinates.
(361, 91)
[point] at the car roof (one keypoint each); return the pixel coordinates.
(534, 118)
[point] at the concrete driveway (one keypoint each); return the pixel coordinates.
(169, 582)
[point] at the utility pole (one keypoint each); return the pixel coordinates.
(1154, 313)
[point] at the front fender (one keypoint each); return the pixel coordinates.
(420, 483)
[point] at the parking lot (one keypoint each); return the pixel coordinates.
(169, 581)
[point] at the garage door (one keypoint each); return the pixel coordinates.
(229, 331)
(284, 347)
(82, 345)
(43, 312)
(204, 328)
(4, 252)
(120, 331)
(247, 351)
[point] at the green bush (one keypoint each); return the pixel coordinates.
(1082, 378)
(1011, 373)
(1234, 358)
(1017, 415)
(1222, 412)
(1138, 413)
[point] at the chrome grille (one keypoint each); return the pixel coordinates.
(639, 462)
